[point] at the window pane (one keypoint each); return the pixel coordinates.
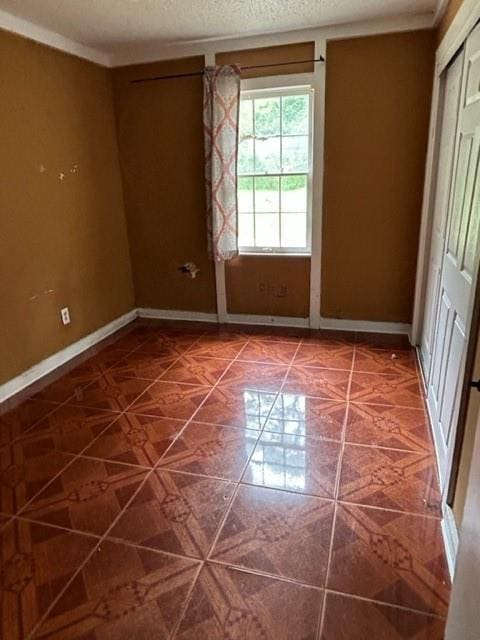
(245, 195)
(267, 194)
(294, 194)
(246, 119)
(245, 230)
(267, 232)
(294, 230)
(295, 154)
(245, 156)
(267, 155)
(267, 117)
(295, 115)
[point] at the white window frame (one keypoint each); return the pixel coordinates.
(278, 86)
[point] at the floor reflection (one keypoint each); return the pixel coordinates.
(279, 459)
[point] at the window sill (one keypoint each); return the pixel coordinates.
(265, 254)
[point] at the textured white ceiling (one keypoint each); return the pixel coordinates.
(112, 25)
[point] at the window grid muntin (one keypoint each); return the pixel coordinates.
(281, 94)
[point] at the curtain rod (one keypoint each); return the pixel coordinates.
(199, 73)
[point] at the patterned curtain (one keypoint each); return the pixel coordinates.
(221, 101)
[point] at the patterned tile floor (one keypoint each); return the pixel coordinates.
(195, 482)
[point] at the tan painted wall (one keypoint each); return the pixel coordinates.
(378, 92)
(160, 138)
(269, 285)
(62, 242)
(450, 12)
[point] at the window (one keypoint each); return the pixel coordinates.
(274, 170)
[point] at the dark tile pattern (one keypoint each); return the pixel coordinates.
(175, 512)
(211, 450)
(390, 557)
(36, 563)
(122, 592)
(276, 532)
(170, 400)
(190, 480)
(353, 619)
(401, 480)
(389, 426)
(136, 439)
(87, 495)
(228, 604)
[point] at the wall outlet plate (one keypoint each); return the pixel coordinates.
(65, 313)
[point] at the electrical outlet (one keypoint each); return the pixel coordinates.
(65, 313)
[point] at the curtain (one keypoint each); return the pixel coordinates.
(221, 101)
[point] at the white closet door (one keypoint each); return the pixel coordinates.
(460, 263)
(448, 128)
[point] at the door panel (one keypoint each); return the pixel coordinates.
(459, 267)
(448, 127)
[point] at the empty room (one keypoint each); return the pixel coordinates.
(239, 319)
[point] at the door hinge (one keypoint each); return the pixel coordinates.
(475, 383)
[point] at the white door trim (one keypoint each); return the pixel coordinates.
(318, 84)
(465, 20)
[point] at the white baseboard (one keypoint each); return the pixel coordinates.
(46, 366)
(365, 325)
(276, 321)
(450, 539)
(172, 314)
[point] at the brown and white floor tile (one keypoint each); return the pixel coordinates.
(277, 532)
(171, 400)
(392, 479)
(375, 388)
(297, 414)
(106, 358)
(218, 346)
(211, 450)
(294, 463)
(327, 355)
(388, 426)
(354, 619)
(136, 439)
(37, 561)
(255, 376)
(227, 603)
(70, 428)
(87, 496)
(175, 512)
(391, 557)
(16, 422)
(110, 391)
(330, 384)
(26, 466)
(196, 370)
(258, 350)
(122, 593)
(143, 365)
(70, 383)
(233, 406)
(370, 360)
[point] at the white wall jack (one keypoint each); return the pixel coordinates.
(65, 313)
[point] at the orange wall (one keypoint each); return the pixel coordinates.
(160, 135)
(378, 93)
(63, 242)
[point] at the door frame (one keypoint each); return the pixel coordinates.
(464, 22)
